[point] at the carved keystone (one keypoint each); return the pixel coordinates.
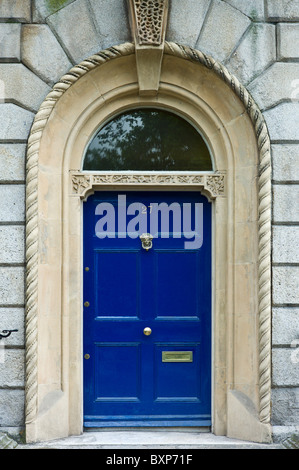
(148, 20)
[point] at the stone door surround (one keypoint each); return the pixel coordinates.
(202, 91)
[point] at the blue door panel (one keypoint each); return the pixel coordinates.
(125, 265)
(169, 385)
(168, 288)
(123, 358)
(176, 283)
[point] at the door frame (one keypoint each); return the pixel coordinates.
(203, 92)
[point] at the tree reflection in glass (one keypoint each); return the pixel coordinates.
(148, 139)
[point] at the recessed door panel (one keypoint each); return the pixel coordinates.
(172, 363)
(176, 283)
(125, 358)
(116, 283)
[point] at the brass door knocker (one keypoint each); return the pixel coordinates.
(146, 239)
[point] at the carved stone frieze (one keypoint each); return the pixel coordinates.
(211, 184)
(80, 183)
(215, 184)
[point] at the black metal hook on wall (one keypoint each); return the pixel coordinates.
(6, 333)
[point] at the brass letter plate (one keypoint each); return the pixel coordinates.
(177, 356)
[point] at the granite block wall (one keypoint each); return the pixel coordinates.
(257, 40)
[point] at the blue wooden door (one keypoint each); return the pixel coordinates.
(130, 378)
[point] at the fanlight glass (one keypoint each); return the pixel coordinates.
(147, 140)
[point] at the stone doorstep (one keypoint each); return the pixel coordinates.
(134, 439)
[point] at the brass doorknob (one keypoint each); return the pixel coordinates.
(147, 331)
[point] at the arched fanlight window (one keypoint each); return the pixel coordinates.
(147, 140)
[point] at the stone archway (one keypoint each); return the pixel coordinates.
(204, 92)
